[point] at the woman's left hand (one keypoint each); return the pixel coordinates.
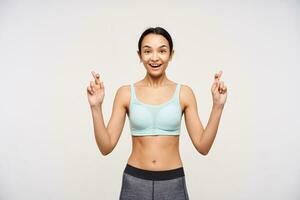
(219, 90)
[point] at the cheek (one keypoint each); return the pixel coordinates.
(165, 58)
(145, 58)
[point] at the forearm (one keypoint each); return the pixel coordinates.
(211, 129)
(101, 134)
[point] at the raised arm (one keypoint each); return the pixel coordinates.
(107, 137)
(202, 138)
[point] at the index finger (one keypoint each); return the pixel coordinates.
(96, 77)
(218, 75)
(94, 74)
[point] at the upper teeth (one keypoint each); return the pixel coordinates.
(155, 64)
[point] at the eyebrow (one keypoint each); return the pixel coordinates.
(147, 46)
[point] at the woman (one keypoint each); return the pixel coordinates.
(155, 106)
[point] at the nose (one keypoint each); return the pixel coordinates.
(154, 56)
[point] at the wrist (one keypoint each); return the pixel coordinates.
(218, 106)
(96, 107)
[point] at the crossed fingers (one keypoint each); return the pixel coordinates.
(94, 84)
(221, 86)
(96, 77)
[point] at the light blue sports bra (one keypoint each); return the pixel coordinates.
(149, 119)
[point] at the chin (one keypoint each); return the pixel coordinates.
(156, 74)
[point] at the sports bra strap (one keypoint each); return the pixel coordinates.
(177, 92)
(132, 91)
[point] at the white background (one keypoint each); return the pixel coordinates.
(48, 50)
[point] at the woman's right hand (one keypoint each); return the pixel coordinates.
(95, 91)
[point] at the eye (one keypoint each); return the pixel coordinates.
(163, 51)
(147, 51)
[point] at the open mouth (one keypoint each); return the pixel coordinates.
(155, 65)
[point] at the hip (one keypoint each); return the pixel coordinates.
(138, 183)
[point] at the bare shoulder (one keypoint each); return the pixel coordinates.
(123, 94)
(186, 95)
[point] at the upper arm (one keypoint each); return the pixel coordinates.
(191, 116)
(118, 116)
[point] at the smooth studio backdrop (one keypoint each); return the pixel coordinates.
(49, 48)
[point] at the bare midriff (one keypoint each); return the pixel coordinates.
(155, 153)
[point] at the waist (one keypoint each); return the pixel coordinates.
(155, 162)
(155, 152)
(154, 175)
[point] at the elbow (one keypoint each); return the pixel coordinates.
(202, 151)
(105, 148)
(201, 146)
(105, 153)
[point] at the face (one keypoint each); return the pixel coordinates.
(155, 53)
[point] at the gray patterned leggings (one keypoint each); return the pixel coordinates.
(140, 184)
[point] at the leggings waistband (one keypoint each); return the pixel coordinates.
(154, 175)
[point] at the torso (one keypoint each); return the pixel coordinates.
(155, 152)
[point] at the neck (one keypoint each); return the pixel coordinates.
(159, 81)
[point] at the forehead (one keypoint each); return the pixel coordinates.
(154, 40)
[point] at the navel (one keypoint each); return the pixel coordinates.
(153, 161)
